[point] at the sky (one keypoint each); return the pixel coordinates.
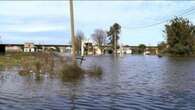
(48, 22)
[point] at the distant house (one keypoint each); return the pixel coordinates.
(29, 47)
(13, 47)
(97, 50)
(87, 48)
(127, 49)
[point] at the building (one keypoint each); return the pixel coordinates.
(97, 50)
(151, 50)
(87, 48)
(127, 49)
(12, 47)
(29, 47)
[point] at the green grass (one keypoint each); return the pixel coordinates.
(13, 59)
(35, 62)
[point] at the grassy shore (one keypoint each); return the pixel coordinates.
(14, 59)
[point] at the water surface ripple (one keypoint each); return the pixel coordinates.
(128, 83)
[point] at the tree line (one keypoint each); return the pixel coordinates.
(101, 38)
(179, 38)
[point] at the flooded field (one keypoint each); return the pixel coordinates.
(127, 83)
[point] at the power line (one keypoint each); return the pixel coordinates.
(163, 21)
(185, 12)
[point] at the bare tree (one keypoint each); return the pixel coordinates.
(99, 36)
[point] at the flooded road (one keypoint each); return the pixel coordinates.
(128, 83)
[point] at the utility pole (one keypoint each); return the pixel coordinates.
(72, 32)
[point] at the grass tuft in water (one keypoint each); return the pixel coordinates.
(95, 71)
(71, 72)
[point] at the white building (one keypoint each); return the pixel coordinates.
(29, 47)
(127, 49)
(13, 48)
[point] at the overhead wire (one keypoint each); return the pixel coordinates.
(185, 12)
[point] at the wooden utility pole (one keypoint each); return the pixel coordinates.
(72, 32)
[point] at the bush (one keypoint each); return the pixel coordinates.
(71, 72)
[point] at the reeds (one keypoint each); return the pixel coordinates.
(38, 64)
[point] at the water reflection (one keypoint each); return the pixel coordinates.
(128, 82)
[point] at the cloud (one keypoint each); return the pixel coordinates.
(42, 20)
(33, 8)
(33, 16)
(38, 37)
(33, 27)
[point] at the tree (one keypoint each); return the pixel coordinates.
(141, 48)
(113, 35)
(99, 36)
(162, 47)
(180, 35)
(78, 41)
(57, 49)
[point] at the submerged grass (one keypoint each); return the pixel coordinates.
(41, 63)
(95, 71)
(12, 59)
(71, 72)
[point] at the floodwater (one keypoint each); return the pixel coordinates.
(128, 83)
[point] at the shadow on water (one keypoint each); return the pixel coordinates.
(72, 95)
(114, 79)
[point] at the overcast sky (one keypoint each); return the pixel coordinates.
(48, 21)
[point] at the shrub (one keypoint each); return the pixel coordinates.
(71, 72)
